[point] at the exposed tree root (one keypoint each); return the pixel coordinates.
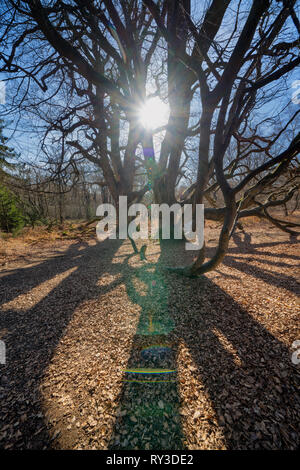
(143, 252)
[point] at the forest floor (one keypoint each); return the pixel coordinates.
(79, 319)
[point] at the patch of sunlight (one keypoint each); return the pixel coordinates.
(82, 385)
(228, 346)
(124, 251)
(28, 300)
(140, 286)
(198, 416)
(108, 279)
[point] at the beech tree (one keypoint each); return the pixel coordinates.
(232, 79)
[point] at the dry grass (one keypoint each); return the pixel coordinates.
(31, 240)
(76, 314)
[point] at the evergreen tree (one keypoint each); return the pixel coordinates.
(11, 217)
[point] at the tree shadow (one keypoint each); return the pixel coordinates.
(246, 245)
(234, 260)
(148, 414)
(24, 279)
(246, 372)
(32, 335)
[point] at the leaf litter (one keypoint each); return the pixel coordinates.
(230, 333)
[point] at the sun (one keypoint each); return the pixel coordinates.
(154, 113)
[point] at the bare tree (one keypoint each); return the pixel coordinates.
(234, 76)
(92, 69)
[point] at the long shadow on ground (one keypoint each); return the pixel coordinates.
(245, 245)
(246, 372)
(149, 415)
(31, 336)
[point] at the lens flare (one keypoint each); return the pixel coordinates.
(154, 113)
